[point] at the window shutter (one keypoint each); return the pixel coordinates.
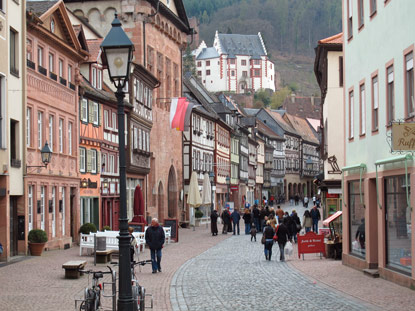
(80, 162)
(90, 112)
(98, 162)
(88, 161)
(99, 114)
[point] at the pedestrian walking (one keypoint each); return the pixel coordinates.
(155, 239)
(253, 233)
(280, 213)
(262, 214)
(296, 224)
(291, 200)
(214, 222)
(289, 223)
(133, 243)
(269, 240)
(315, 215)
(296, 198)
(307, 221)
(247, 220)
(306, 201)
(282, 238)
(235, 219)
(226, 218)
(314, 200)
(255, 214)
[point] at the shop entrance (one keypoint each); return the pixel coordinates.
(13, 226)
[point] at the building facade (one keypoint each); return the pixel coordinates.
(53, 56)
(379, 176)
(236, 63)
(14, 223)
(328, 68)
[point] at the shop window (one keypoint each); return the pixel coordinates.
(398, 224)
(357, 220)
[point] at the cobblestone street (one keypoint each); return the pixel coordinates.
(235, 276)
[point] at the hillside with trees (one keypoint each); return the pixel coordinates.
(290, 29)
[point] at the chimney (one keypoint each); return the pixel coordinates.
(293, 98)
(312, 100)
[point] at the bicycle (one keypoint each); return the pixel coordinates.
(92, 295)
(139, 292)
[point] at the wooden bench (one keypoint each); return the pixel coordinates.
(104, 256)
(72, 268)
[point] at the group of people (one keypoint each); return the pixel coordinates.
(276, 225)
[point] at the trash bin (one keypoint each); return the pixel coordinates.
(101, 243)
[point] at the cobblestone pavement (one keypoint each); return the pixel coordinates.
(38, 283)
(234, 275)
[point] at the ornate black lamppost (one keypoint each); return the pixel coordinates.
(117, 52)
(212, 179)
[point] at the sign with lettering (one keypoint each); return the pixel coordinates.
(310, 243)
(403, 136)
(174, 225)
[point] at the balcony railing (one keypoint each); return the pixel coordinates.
(53, 76)
(62, 81)
(42, 70)
(30, 64)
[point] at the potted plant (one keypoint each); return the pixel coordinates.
(87, 228)
(37, 240)
(198, 215)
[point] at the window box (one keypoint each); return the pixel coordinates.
(72, 86)
(16, 163)
(42, 70)
(62, 81)
(53, 76)
(31, 64)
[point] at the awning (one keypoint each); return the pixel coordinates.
(331, 218)
(400, 158)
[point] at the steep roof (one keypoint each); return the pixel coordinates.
(263, 128)
(302, 127)
(39, 7)
(98, 94)
(281, 122)
(242, 44)
(207, 53)
(94, 48)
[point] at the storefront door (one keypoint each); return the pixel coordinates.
(398, 224)
(13, 226)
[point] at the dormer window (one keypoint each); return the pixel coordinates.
(96, 77)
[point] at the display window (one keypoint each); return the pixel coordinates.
(357, 220)
(398, 224)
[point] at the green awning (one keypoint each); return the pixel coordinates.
(400, 158)
(359, 167)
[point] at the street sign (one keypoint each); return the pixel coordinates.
(310, 243)
(403, 136)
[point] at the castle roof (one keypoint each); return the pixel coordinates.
(242, 44)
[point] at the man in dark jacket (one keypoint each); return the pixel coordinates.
(315, 215)
(155, 239)
(226, 218)
(214, 222)
(235, 218)
(255, 215)
(282, 233)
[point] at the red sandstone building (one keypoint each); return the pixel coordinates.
(159, 31)
(53, 51)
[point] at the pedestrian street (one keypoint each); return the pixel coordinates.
(233, 275)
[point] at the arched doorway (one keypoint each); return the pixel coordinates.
(295, 192)
(290, 190)
(172, 194)
(305, 193)
(160, 202)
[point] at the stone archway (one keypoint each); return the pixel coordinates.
(172, 194)
(160, 202)
(290, 190)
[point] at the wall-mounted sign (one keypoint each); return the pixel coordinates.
(403, 136)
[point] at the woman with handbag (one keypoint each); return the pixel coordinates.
(296, 224)
(282, 238)
(268, 241)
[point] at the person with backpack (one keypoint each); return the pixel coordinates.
(268, 239)
(282, 237)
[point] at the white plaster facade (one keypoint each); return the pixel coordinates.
(236, 69)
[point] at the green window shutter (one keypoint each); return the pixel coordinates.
(99, 114)
(80, 160)
(88, 161)
(80, 109)
(90, 112)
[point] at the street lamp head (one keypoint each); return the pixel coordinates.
(84, 183)
(105, 183)
(228, 180)
(117, 53)
(212, 176)
(46, 154)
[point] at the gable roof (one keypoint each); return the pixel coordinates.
(263, 128)
(242, 44)
(281, 122)
(302, 127)
(42, 10)
(94, 47)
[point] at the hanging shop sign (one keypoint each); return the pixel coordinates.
(403, 136)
